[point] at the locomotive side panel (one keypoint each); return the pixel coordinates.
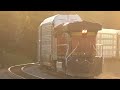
(61, 46)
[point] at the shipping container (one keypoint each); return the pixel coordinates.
(109, 38)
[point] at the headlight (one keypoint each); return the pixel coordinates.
(84, 31)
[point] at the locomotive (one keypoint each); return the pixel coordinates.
(69, 46)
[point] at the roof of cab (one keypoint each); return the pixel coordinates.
(79, 26)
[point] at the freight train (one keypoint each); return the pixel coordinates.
(68, 44)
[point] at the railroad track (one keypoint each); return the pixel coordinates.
(18, 71)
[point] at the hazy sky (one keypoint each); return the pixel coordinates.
(109, 19)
